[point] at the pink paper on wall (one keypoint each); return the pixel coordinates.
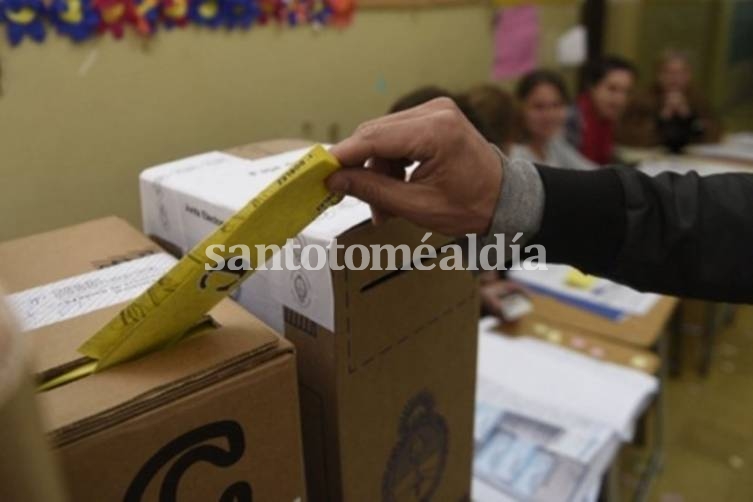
(516, 41)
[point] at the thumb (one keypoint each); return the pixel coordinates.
(380, 191)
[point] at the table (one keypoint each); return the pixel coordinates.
(591, 345)
(620, 342)
(643, 332)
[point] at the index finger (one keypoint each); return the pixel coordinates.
(388, 139)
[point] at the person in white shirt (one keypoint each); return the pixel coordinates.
(543, 101)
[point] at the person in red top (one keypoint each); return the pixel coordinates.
(593, 118)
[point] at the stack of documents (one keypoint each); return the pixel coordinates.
(684, 165)
(741, 138)
(526, 451)
(737, 147)
(600, 296)
(548, 420)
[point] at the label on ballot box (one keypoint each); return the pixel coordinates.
(84, 293)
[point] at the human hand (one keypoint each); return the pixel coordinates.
(454, 189)
(496, 299)
(675, 104)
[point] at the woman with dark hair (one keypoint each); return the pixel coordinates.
(428, 93)
(672, 113)
(495, 110)
(543, 99)
(594, 117)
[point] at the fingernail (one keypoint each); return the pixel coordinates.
(338, 184)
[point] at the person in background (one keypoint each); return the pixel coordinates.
(543, 100)
(671, 113)
(419, 96)
(592, 120)
(495, 111)
(681, 235)
(427, 93)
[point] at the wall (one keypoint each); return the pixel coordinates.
(621, 34)
(732, 74)
(78, 123)
(715, 34)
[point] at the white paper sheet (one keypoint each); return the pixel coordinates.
(598, 391)
(571, 46)
(603, 292)
(78, 295)
(741, 138)
(527, 451)
(683, 165)
(740, 150)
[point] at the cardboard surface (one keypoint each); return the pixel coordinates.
(217, 413)
(597, 347)
(638, 331)
(387, 392)
(405, 378)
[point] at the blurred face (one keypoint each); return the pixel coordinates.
(610, 96)
(674, 76)
(544, 112)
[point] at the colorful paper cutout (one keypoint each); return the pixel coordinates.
(240, 13)
(112, 14)
(174, 13)
(144, 15)
(76, 19)
(23, 19)
(82, 19)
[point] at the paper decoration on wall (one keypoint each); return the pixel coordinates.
(23, 19)
(342, 11)
(572, 46)
(206, 13)
(516, 41)
(240, 13)
(144, 15)
(82, 19)
(112, 16)
(77, 19)
(174, 13)
(540, 3)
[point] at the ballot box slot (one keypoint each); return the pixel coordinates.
(82, 367)
(395, 273)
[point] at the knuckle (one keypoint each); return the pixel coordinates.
(445, 103)
(368, 130)
(450, 117)
(370, 193)
(450, 125)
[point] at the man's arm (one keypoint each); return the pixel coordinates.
(679, 235)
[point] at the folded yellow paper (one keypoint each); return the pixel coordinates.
(180, 299)
(578, 279)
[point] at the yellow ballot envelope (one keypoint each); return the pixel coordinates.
(178, 301)
(579, 280)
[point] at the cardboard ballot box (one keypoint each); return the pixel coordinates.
(386, 359)
(215, 417)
